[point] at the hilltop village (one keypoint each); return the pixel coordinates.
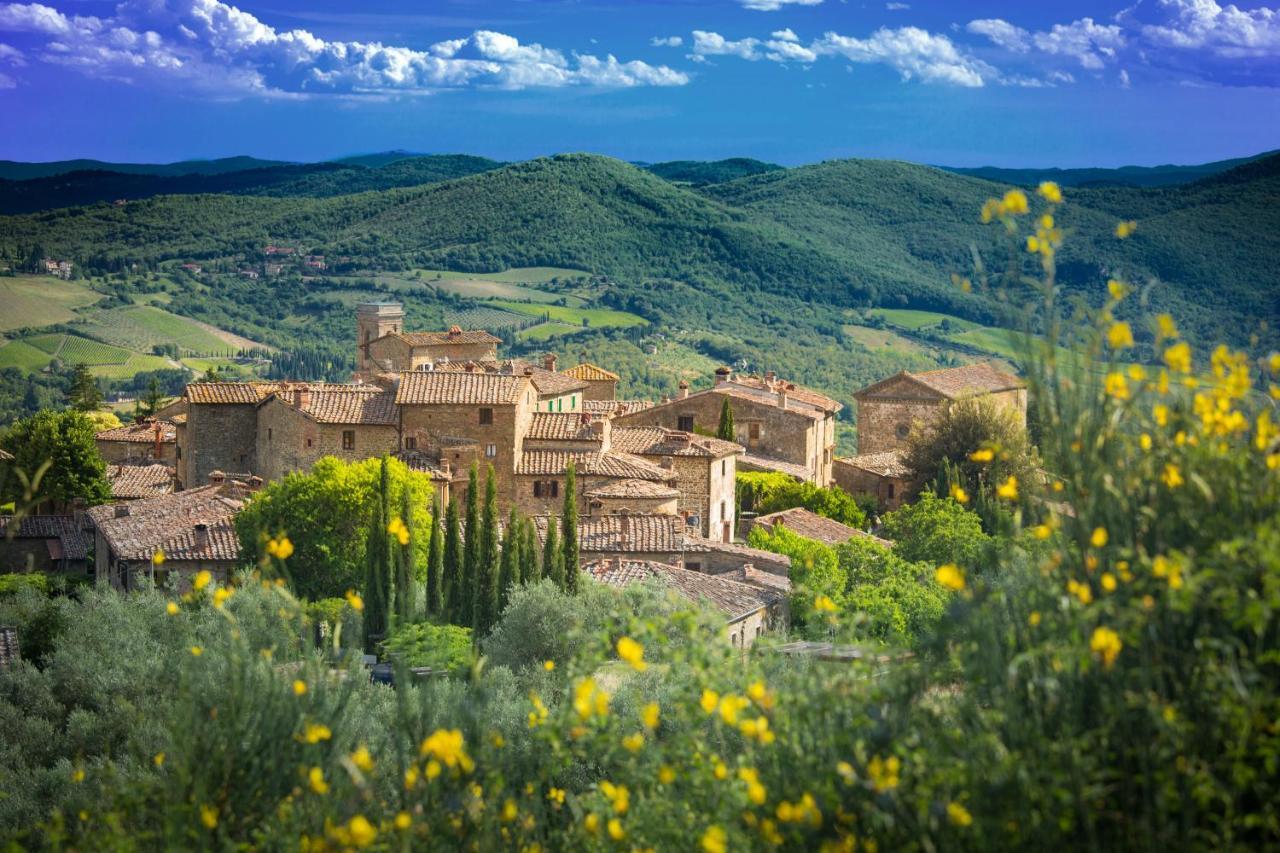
(655, 488)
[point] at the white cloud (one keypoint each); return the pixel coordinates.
(1124, 79)
(897, 7)
(7, 82)
(669, 41)
(1003, 33)
(784, 35)
(1082, 40)
(775, 5)
(211, 47)
(713, 44)
(913, 52)
(10, 55)
(1227, 31)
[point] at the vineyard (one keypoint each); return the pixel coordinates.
(488, 318)
(73, 349)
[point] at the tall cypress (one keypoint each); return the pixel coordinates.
(509, 573)
(726, 429)
(435, 559)
(552, 562)
(406, 563)
(569, 530)
(529, 570)
(452, 588)
(486, 604)
(378, 559)
(470, 550)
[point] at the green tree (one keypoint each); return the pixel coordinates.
(552, 559)
(453, 589)
(569, 529)
(486, 603)
(406, 564)
(65, 441)
(378, 565)
(815, 571)
(936, 530)
(470, 549)
(509, 573)
(726, 430)
(764, 492)
(529, 570)
(435, 559)
(896, 600)
(85, 395)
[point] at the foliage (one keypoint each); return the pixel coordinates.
(435, 560)
(899, 600)
(936, 530)
(85, 394)
(764, 492)
(473, 540)
(379, 557)
(568, 555)
(12, 583)
(440, 647)
(815, 570)
(64, 441)
(725, 429)
(488, 560)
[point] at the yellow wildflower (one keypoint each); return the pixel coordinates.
(284, 548)
(446, 745)
(360, 831)
(1116, 386)
(556, 796)
(710, 701)
(1050, 192)
(316, 732)
(1178, 357)
(884, 772)
(158, 557)
(1042, 531)
(299, 687)
(549, 665)
(591, 822)
(1008, 490)
(1120, 336)
(1108, 581)
(158, 759)
(958, 492)
(77, 775)
(355, 601)
(951, 576)
(714, 840)
(1165, 327)
(1125, 229)
(1033, 618)
(649, 715)
(362, 759)
(172, 608)
(510, 811)
(220, 596)
(315, 779)
(633, 653)
(633, 742)
(1081, 591)
(958, 814)
(984, 454)
(209, 816)
(616, 832)
(196, 651)
(824, 604)
(1099, 537)
(1014, 201)
(202, 577)
(589, 699)
(403, 821)
(1144, 441)
(1106, 644)
(1172, 476)
(666, 774)
(1118, 289)
(1160, 412)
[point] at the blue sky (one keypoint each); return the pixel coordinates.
(793, 81)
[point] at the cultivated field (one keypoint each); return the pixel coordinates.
(32, 301)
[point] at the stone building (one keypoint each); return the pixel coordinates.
(193, 530)
(142, 442)
(889, 409)
(629, 497)
(706, 471)
(601, 384)
(784, 427)
(219, 431)
(45, 543)
(882, 475)
(748, 611)
(383, 346)
(134, 482)
(299, 424)
(810, 525)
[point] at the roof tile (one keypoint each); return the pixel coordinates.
(438, 387)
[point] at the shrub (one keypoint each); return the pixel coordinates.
(765, 492)
(440, 647)
(11, 583)
(936, 530)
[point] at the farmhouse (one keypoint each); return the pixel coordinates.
(44, 543)
(149, 440)
(382, 345)
(883, 475)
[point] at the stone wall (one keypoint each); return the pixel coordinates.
(218, 437)
(134, 452)
(886, 418)
(601, 389)
(733, 557)
(890, 491)
(634, 506)
(288, 440)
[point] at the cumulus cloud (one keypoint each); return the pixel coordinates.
(668, 41)
(775, 5)
(10, 55)
(1083, 40)
(713, 44)
(915, 53)
(1003, 33)
(897, 7)
(1225, 30)
(210, 46)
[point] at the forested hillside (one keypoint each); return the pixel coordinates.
(1131, 176)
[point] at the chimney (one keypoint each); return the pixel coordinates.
(217, 478)
(254, 483)
(683, 391)
(666, 398)
(202, 536)
(155, 424)
(668, 463)
(122, 510)
(624, 524)
(119, 470)
(528, 371)
(723, 374)
(455, 332)
(304, 396)
(471, 365)
(783, 387)
(602, 428)
(769, 376)
(549, 361)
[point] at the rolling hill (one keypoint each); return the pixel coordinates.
(11, 170)
(1123, 176)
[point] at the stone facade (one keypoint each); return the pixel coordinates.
(137, 444)
(602, 384)
(706, 471)
(383, 346)
(290, 439)
(881, 475)
(375, 321)
(217, 438)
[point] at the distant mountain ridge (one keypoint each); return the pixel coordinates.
(12, 170)
(1130, 176)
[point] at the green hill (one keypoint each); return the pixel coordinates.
(701, 173)
(1122, 176)
(14, 171)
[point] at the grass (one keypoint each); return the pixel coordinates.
(32, 301)
(597, 318)
(547, 331)
(485, 318)
(909, 318)
(682, 362)
(187, 334)
(515, 275)
(512, 284)
(136, 364)
(878, 339)
(23, 356)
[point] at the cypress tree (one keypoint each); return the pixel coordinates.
(569, 530)
(529, 570)
(451, 586)
(435, 559)
(509, 573)
(406, 563)
(486, 584)
(378, 559)
(552, 564)
(470, 550)
(726, 429)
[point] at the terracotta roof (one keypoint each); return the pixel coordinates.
(732, 598)
(129, 482)
(418, 461)
(755, 462)
(618, 407)
(981, 378)
(142, 433)
(756, 577)
(886, 464)
(453, 336)
(229, 393)
(794, 392)
(179, 420)
(809, 525)
(347, 404)
(591, 373)
(657, 441)
(560, 426)
(547, 382)
(800, 401)
(646, 533)
(634, 489)
(74, 540)
(591, 463)
(763, 560)
(168, 524)
(427, 388)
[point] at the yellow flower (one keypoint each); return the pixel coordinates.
(158, 759)
(666, 775)
(209, 816)
(958, 492)
(362, 759)
(1081, 591)
(1178, 357)
(202, 578)
(356, 602)
(299, 687)
(1108, 581)
(1165, 327)
(315, 779)
(197, 651)
(633, 653)
(1014, 201)
(958, 814)
(316, 732)
(411, 775)
(591, 822)
(510, 811)
(714, 840)
(158, 557)
(446, 745)
(1106, 644)
(1118, 289)
(589, 699)
(1042, 531)
(77, 775)
(1125, 229)
(1160, 412)
(360, 831)
(633, 742)
(1008, 490)
(403, 821)
(220, 596)
(824, 604)
(1163, 567)
(616, 832)
(1120, 336)
(649, 715)
(284, 548)
(710, 700)
(1033, 244)
(172, 608)
(984, 454)
(1144, 441)
(1116, 386)
(1099, 537)
(556, 796)
(884, 772)
(549, 665)
(950, 576)
(1033, 619)
(1050, 192)
(1172, 476)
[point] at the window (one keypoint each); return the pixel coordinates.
(891, 491)
(490, 450)
(694, 567)
(903, 430)
(179, 450)
(753, 431)
(560, 405)
(348, 439)
(555, 488)
(551, 406)
(722, 511)
(537, 488)
(486, 416)
(308, 442)
(410, 443)
(268, 433)
(685, 423)
(546, 488)
(573, 402)
(724, 463)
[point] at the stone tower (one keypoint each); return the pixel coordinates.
(373, 320)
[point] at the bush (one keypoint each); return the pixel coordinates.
(440, 647)
(36, 581)
(765, 492)
(936, 530)
(900, 600)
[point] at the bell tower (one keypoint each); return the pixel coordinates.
(374, 320)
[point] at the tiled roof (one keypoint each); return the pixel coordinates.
(233, 393)
(560, 426)
(349, 404)
(547, 382)
(886, 464)
(634, 489)
(646, 533)
(75, 541)
(953, 382)
(179, 420)
(657, 441)
(129, 482)
(168, 524)
(800, 401)
(732, 598)
(448, 388)
(453, 336)
(794, 392)
(418, 461)
(758, 558)
(756, 462)
(756, 577)
(591, 373)
(809, 525)
(618, 407)
(143, 432)
(590, 463)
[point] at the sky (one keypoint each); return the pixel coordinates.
(999, 82)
